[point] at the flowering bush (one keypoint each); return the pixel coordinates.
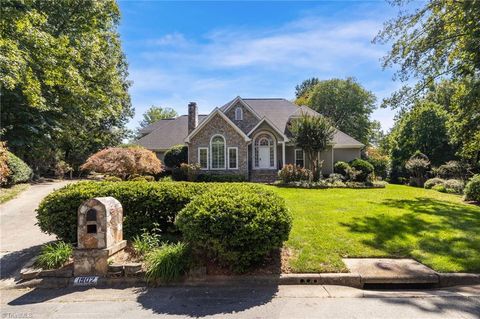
(292, 173)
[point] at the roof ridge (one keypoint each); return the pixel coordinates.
(264, 98)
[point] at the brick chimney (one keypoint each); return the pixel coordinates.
(192, 116)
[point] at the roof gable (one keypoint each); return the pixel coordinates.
(209, 118)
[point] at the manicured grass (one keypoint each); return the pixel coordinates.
(436, 229)
(7, 194)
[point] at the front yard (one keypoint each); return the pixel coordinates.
(437, 229)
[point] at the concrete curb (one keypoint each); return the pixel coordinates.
(339, 279)
(454, 279)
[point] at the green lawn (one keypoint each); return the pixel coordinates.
(7, 194)
(436, 229)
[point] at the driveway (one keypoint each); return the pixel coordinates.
(20, 238)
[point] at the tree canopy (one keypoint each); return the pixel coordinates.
(423, 129)
(346, 103)
(312, 134)
(156, 113)
(437, 40)
(64, 81)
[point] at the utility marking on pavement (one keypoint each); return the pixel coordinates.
(85, 281)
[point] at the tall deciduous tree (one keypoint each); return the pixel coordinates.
(439, 39)
(346, 103)
(423, 129)
(64, 81)
(313, 134)
(305, 86)
(156, 113)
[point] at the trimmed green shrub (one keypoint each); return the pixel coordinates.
(19, 171)
(454, 186)
(167, 263)
(143, 204)
(146, 178)
(365, 167)
(220, 178)
(341, 168)
(236, 225)
(452, 170)
(440, 188)
(292, 173)
(176, 155)
(472, 190)
(432, 182)
(54, 255)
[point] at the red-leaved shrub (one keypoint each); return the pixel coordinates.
(4, 170)
(123, 162)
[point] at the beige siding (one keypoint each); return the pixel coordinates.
(327, 165)
(346, 154)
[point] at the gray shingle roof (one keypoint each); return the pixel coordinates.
(166, 133)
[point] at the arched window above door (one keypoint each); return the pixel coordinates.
(264, 151)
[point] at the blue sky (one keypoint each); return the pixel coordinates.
(210, 52)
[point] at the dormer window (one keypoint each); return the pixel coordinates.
(238, 113)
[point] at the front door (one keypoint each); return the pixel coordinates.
(263, 157)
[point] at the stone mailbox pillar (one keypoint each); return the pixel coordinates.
(99, 235)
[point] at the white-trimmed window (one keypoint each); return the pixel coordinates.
(238, 114)
(203, 157)
(233, 158)
(299, 157)
(217, 151)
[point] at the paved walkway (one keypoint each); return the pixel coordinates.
(288, 302)
(20, 238)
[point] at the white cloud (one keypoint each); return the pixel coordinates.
(171, 39)
(224, 63)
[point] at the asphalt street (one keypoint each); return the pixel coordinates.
(241, 302)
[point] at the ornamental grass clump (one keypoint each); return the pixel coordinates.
(168, 262)
(54, 255)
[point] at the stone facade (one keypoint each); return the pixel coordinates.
(99, 223)
(192, 116)
(218, 126)
(249, 119)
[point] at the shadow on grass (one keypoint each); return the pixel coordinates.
(453, 232)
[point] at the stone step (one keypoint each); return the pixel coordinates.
(263, 176)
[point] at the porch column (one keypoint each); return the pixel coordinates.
(283, 154)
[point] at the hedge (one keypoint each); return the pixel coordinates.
(472, 190)
(19, 171)
(220, 178)
(144, 203)
(237, 225)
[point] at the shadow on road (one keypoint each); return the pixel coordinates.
(205, 301)
(11, 263)
(185, 301)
